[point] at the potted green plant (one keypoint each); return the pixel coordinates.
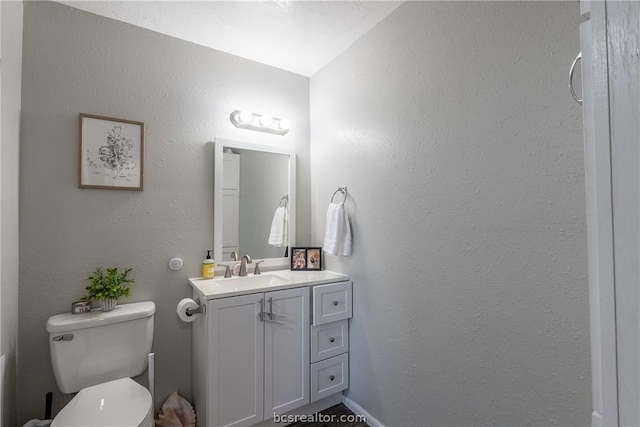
(107, 287)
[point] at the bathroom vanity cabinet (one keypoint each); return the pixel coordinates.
(270, 347)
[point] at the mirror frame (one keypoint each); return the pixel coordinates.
(219, 145)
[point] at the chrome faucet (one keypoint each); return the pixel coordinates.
(243, 265)
(227, 272)
(256, 270)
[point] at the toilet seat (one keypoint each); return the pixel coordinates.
(119, 403)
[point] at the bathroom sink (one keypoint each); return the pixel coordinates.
(269, 280)
(251, 281)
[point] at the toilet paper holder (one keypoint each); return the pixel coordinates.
(202, 309)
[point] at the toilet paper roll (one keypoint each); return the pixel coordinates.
(183, 305)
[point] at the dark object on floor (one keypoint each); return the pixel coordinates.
(336, 416)
(47, 405)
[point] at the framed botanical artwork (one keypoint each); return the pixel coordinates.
(306, 259)
(111, 153)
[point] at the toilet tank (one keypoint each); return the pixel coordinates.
(95, 347)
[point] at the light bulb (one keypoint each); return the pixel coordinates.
(285, 124)
(266, 120)
(245, 116)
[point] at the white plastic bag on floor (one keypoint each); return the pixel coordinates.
(176, 412)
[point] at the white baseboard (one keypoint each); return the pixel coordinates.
(359, 410)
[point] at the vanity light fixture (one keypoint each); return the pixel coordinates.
(245, 116)
(266, 120)
(260, 122)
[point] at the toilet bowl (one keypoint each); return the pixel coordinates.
(118, 403)
(95, 354)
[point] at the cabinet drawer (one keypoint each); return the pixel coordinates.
(329, 340)
(331, 302)
(329, 376)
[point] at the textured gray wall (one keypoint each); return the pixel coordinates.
(78, 62)
(452, 126)
(9, 166)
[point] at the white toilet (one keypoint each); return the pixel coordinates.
(95, 354)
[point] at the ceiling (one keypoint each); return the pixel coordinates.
(300, 36)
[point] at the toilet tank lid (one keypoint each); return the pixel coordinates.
(122, 313)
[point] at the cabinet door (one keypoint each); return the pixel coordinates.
(286, 354)
(236, 342)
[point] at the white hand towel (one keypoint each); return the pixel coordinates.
(278, 235)
(337, 237)
(347, 242)
(285, 233)
(333, 229)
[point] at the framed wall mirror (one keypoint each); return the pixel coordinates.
(254, 187)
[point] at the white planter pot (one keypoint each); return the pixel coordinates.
(108, 304)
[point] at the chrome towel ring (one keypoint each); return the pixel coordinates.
(573, 66)
(342, 190)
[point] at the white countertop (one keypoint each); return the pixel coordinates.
(267, 281)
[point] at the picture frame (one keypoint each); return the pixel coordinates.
(306, 259)
(111, 153)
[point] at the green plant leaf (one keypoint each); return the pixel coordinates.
(109, 285)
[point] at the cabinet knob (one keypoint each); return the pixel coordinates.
(335, 303)
(332, 339)
(331, 377)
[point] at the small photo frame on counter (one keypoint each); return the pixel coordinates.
(306, 259)
(111, 153)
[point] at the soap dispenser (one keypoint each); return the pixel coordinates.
(208, 267)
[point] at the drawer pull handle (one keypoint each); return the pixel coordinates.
(331, 377)
(335, 303)
(332, 339)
